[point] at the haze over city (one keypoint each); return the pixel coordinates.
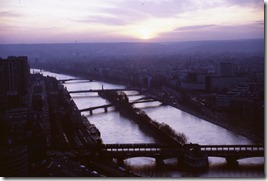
(67, 21)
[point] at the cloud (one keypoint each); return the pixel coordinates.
(131, 12)
(127, 13)
(158, 9)
(259, 23)
(8, 14)
(8, 28)
(215, 32)
(197, 27)
(112, 21)
(114, 16)
(130, 18)
(255, 3)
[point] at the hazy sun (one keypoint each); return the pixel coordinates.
(146, 33)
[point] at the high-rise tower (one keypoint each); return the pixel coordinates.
(14, 75)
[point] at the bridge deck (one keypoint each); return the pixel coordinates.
(96, 107)
(168, 151)
(239, 151)
(71, 79)
(111, 105)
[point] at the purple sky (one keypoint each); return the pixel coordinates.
(68, 21)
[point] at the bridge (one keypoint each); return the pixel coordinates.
(71, 79)
(231, 153)
(105, 107)
(90, 109)
(145, 99)
(160, 152)
(99, 90)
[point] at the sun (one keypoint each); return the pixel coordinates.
(146, 33)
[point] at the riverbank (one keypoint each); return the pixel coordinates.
(211, 117)
(221, 121)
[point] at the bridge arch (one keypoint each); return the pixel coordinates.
(231, 153)
(159, 160)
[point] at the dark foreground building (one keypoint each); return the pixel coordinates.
(37, 115)
(14, 76)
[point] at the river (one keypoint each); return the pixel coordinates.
(117, 129)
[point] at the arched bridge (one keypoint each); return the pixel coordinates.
(124, 151)
(160, 152)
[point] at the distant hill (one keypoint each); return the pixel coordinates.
(125, 49)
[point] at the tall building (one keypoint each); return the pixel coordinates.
(14, 75)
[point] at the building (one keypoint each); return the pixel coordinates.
(223, 83)
(226, 69)
(14, 161)
(194, 81)
(223, 100)
(14, 74)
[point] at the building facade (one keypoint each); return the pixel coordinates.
(14, 76)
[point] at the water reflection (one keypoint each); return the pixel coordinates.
(116, 129)
(196, 130)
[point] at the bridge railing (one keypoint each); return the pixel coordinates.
(232, 148)
(132, 149)
(139, 145)
(239, 151)
(139, 148)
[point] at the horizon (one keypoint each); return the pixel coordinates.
(132, 42)
(112, 21)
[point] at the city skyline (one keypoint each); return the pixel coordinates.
(34, 21)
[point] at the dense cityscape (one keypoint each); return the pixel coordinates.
(44, 133)
(222, 86)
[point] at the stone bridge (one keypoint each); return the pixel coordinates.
(231, 153)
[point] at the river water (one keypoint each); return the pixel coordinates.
(117, 129)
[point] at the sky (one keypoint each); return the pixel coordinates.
(70, 21)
